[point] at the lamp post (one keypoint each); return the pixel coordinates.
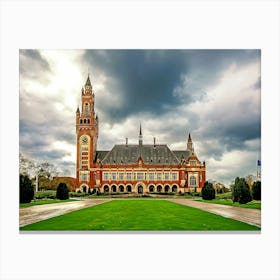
(37, 178)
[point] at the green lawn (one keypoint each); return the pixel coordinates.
(43, 201)
(139, 215)
(255, 204)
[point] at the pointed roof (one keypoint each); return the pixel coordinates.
(78, 110)
(189, 139)
(140, 133)
(88, 83)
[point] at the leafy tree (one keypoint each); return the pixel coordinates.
(62, 192)
(26, 192)
(256, 190)
(241, 192)
(208, 192)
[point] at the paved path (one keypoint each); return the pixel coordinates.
(246, 215)
(33, 214)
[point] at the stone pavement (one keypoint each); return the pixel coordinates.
(33, 214)
(246, 215)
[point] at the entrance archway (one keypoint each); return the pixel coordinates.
(174, 188)
(106, 189)
(84, 188)
(151, 188)
(114, 188)
(121, 188)
(140, 189)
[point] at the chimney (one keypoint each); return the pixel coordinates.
(154, 142)
(126, 141)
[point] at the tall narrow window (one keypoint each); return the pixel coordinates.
(86, 108)
(192, 181)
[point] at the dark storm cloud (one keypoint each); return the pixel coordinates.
(231, 136)
(33, 65)
(147, 80)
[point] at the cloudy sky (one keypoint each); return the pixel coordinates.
(214, 94)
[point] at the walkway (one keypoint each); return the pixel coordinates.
(33, 214)
(246, 215)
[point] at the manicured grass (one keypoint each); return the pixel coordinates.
(255, 204)
(139, 215)
(43, 201)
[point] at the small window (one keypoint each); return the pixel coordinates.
(114, 176)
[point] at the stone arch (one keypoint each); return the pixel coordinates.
(113, 188)
(128, 188)
(166, 188)
(159, 188)
(140, 187)
(174, 188)
(152, 188)
(84, 188)
(106, 189)
(121, 188)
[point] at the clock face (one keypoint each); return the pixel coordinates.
(84, 140)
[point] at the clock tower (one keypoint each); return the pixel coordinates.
(87, 135)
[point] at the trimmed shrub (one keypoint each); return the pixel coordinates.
(241, 192)
(208, 192)
(62, 192)
(26, 190)
(256, 190)
(45, 195)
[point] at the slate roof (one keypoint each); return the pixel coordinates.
(182, 154)
(126, 154)
(101, 154)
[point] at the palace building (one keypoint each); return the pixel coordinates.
(131, 168)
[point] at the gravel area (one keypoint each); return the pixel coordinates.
(246, 215)
(33, 214)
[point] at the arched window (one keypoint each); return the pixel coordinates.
(81, 121)
(88, 121)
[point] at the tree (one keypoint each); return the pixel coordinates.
(241, 192)
(62, 192)
(256, 190)
(26, 190)
(208, 192)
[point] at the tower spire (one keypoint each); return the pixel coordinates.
(190, 143)
(88, 83)
(140, 135)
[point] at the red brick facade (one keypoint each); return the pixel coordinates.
(134, 168)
